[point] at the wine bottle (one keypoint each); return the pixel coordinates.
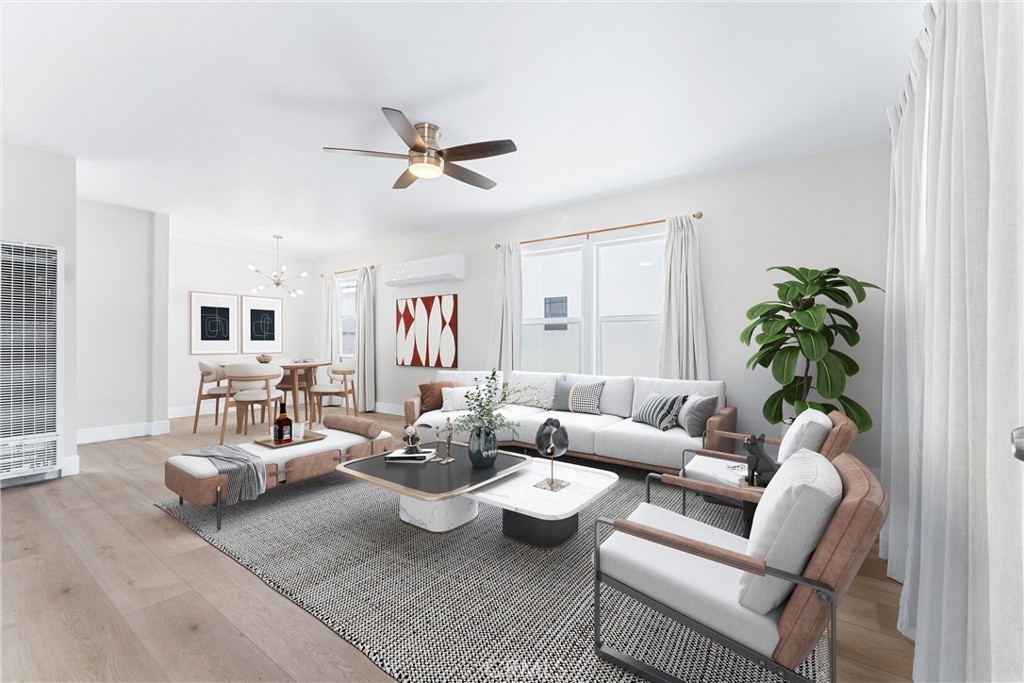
(283, 426)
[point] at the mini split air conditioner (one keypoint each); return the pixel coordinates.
(432, 269)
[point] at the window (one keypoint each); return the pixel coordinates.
(347, 316)
(594, 305)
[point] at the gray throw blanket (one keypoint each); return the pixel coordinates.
(247, 473)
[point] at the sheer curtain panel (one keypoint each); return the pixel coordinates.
(366, 346)
(507, 310)
(684, 337)
(328, 348)
(954, 346)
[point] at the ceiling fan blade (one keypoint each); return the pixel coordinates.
(478, 150)
(404, 181)
(366, 153)
(471, 177)
(405, 129)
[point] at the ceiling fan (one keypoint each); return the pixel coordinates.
(426, 157)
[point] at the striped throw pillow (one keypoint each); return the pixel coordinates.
(659, 410)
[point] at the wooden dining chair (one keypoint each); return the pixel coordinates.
(250, 384)
(341, 383)
(209, 374)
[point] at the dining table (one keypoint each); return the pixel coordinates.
(306, 368)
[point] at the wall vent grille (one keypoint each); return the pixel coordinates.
(30, 358)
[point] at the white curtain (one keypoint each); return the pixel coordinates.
(953, 368)
(366, 346)
(507, 310)
(684, 337)
(328, 333)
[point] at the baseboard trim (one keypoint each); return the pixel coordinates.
(128, 431)
(389, 408)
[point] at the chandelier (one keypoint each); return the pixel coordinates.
(277, 278)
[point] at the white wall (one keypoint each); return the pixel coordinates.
(121, 319)
(196, 266)
(820, 211)
(37, 204)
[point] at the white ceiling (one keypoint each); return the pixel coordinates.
(216, 112)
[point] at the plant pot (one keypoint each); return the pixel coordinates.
(483, 448)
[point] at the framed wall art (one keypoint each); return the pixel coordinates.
(426, 330)
(213, 319)
(262, 325)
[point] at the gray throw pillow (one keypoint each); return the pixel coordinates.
(698, 414)
(561, 399)
(659, 410)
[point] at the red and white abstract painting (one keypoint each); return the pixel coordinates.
(427, 331)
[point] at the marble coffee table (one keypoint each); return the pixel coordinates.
(441, 498)
(538, 516)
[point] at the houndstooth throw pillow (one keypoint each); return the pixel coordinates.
(586, 398)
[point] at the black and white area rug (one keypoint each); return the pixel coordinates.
(469, 605)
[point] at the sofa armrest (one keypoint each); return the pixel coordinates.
(412, 409)
(725, 421)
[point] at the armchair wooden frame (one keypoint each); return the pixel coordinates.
(825, 594)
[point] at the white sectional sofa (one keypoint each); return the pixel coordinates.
(612, 436)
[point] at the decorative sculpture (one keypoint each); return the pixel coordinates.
(449, 431)
(760, 468)
(552, 442)
(412, 440)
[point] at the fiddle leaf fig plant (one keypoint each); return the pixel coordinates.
(796, 339)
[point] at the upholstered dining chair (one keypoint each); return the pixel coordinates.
(210, 374)
(829, 435)
(816, 522)
(340, 384)
(250, 384)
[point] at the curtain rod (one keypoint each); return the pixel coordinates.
(347, 270)
(697, 214)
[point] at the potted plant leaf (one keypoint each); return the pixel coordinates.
(484, 421)
(798, 332)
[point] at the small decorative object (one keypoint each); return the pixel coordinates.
(412, 441)
(760, 468)
(263, 358)
(212, 323)
(484, 421)
(426, 330)
(798, 335)
(449, 432)
(552, 442)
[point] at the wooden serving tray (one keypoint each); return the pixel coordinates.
(307, 437)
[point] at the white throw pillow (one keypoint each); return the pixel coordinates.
(809, 430)
(454, 398)
(790, 520)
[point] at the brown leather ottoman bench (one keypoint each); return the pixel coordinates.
(198, 481)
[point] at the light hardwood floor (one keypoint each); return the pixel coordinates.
(98, 584)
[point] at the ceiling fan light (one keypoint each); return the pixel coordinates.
(426, 165)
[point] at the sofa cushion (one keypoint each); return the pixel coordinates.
(536, 387)
(676, 387)
(430, 394)
(698, 412)
(789, 522)
(640, 443)
(581, 427)
(660, 411)
(715, 471)
(454, 398)
(617, 396)
(702, 589)
(809, 430)
(468, 378)
(578, 397)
